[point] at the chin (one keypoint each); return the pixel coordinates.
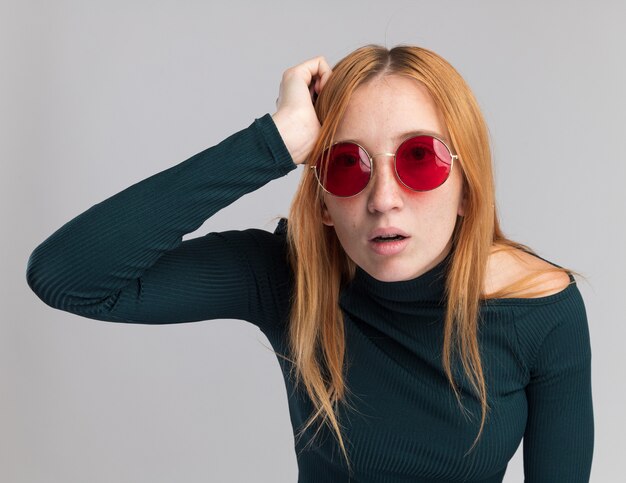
(390, 279)
(390, 274)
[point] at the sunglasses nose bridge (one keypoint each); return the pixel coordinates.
(393, 155)
(393, 168)
(384, 193)
(372, 156)
(383, 154)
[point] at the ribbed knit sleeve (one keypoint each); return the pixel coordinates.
(559, 434)
(124, 260)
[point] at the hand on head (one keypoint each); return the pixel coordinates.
(295, 116)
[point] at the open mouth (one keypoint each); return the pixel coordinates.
(383, 239)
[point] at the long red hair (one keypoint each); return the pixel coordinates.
(320, 265)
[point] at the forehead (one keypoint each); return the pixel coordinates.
(390, 108)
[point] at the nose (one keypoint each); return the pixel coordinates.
(385, 192)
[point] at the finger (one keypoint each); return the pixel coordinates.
(325, 73)
(315, 66)
(323, 69)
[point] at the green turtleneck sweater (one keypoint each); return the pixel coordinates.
(123, 260)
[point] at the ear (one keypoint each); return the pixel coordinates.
(326, 218)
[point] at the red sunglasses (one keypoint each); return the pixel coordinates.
(422, 163)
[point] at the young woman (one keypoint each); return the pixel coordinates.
(407, 326)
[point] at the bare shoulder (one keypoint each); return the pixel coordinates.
(507, 267)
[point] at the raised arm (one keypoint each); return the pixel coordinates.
(124, 260)
(559, 436)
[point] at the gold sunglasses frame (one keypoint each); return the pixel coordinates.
(371, 158)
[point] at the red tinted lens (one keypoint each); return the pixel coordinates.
(423, 163)
(346, 171)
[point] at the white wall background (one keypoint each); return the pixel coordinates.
(96, 96)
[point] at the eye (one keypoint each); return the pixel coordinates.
(349, 156)
(345, 160)
(420, 154)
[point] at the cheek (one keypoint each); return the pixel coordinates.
(442, 210)
(431, 215)
(345, 223)
(345, 220)
(343, 215)
(444, 201)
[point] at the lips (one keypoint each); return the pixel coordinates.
(388, 231)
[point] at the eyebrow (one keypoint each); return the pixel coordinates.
(408, 134)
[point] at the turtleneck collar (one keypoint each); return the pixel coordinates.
(427, 287)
